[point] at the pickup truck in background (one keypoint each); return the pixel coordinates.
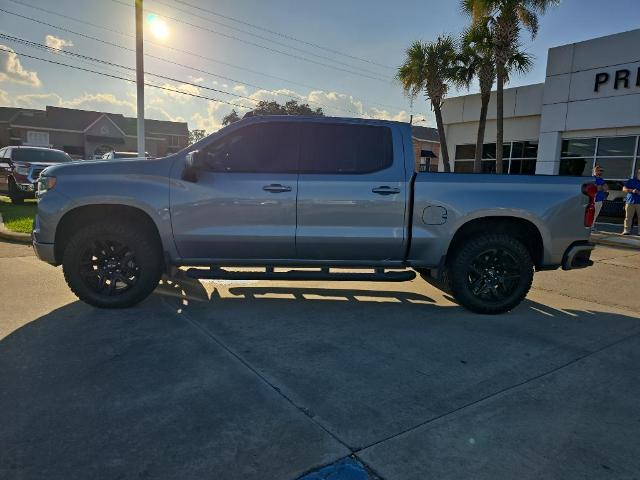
(20, 168)
(290, 192)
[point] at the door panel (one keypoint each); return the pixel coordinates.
(243, 205)
(231, 215)
(348, 215)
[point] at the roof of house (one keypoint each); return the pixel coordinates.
(79, 120)
(425, 133)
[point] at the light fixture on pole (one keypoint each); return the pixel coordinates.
(140, 76)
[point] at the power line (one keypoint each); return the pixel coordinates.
(183, 52)
(47, 48)
(255, 35)
(255, 44)
(148, 84)
(106, 42)
(283, 35)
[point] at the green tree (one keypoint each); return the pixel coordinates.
(292, 107)
(196, 136)
(476, 60)
(505, 20)
(231, 117)
(429, 67)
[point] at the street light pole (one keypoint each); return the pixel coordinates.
(140, 76)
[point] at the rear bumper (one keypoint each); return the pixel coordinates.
(578, 255)
(44, 251)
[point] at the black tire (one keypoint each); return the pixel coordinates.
(14, 194)
(491, 273)
(112, 264)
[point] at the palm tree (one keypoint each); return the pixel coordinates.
(505, 19)
(476, 60)
(428, 67)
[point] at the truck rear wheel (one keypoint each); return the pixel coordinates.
(112, 264)
(14, 193)
(491, 274)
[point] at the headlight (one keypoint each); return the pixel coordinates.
(22, 171)
(45, 184)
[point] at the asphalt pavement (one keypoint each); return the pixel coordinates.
(278, 380)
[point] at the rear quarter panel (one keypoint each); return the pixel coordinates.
(555, 205)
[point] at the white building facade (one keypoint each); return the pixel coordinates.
(587, 111)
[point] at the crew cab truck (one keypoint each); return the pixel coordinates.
(330, 193)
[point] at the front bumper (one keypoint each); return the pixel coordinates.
(44, 251)
(578, 255)
(27, 190)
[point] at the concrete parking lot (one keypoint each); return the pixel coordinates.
(257, 380)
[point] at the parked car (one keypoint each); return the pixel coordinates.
(307, 192)
(21, 166)
(113, 155)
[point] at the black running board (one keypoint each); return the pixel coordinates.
(380, 275)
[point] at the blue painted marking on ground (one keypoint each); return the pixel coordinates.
(345, 469)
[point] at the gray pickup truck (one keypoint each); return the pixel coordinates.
(281, 193)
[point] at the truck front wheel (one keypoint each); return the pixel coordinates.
(491, 274)
(112, 264)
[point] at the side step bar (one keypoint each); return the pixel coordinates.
(216, 273)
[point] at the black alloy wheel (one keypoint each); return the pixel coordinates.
(109, 267)
(490, 273)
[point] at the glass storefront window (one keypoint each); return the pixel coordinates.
(579, 147)
(464, 166)
(489, 151)
(616, 167)
(576, 167)
(616, 147)
(465, 152)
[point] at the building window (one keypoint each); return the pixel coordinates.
(614, 154)
(518, 158)
(38, 139)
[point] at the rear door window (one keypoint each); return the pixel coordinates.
(260, 148)
(345, 149)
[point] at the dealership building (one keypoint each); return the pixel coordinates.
(587, 111)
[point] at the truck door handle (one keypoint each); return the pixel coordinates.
(385, 190)
(276, 188)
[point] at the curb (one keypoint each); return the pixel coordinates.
(7, 234)
(616, 240)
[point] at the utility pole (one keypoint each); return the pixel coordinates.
(140, 76)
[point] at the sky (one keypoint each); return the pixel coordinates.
(340, 55)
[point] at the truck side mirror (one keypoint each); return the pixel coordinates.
(194, 162)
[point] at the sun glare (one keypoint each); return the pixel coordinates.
(158, 27)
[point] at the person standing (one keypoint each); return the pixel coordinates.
(602, 193)
(632, 207)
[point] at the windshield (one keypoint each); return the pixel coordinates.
(125, 155)
(36, 155)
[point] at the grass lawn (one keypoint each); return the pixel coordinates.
(18, 218)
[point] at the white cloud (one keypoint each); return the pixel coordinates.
(401, 116)
(87, 101)
(57, 43)
(174, 91)
(5, 101)
(241, 89)
(11, 69)
(212, 122)
(196, 79)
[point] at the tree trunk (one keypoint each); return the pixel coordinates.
(484, 107)
(444, 152)
(499, 117)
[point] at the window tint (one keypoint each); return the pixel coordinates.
(268, 147)
(345, 148)
(617, 167)
(39, 155)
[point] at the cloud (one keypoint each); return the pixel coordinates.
(11, 70)
(87, 101)
(401, 116)
(57, 43)
(212, 122)
(196, 79)
(5, 101)
(174, 91)
(241, 89)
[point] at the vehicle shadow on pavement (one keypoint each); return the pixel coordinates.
(272, 382)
